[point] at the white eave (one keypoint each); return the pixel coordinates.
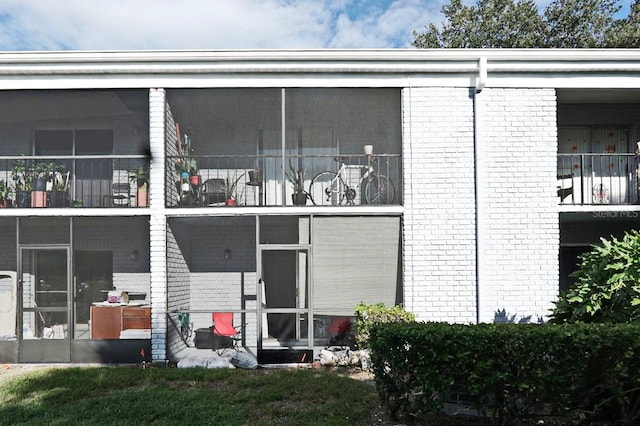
(173, 67)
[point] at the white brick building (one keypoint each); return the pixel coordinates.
(495, 168)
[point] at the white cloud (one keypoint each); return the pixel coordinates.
(215, 24)
(209, 24)
(389, 27)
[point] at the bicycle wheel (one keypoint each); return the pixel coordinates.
(327, 189)
(379, 190)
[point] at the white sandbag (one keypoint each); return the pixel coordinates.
(327, 358)
(193, 363)
(219, 362)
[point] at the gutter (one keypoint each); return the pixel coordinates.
(478, 160)
(381, 61)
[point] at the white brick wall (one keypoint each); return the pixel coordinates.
(439, 220)
(517, 219)
(178, 287)
(519, 229)
(157, 225)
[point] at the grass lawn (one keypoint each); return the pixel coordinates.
(169, 396)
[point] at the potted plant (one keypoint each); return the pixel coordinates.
(140, 175)
(5, 194)
(296, 178)
(60, 190)
(192, 165)
(185, 163)
(42, 174)
(230, 185)
(23, 183)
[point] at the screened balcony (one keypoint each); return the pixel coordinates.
(597, 179)
(74, 181)
(283, 180)
(264, 146)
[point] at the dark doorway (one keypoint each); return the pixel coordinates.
(93, 278)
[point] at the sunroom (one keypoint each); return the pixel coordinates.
(241, 240)
(67, 159)
(74, 148)
(283, 147)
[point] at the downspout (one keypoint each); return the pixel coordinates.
(478, 163)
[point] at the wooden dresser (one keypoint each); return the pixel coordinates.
(108, 321)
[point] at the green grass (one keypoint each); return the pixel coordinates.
(171, 396)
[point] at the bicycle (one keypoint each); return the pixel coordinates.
(330, 188)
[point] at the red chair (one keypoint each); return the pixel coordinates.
(223, 326)
(339, 329)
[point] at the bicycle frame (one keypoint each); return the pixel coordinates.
(342, 173)
(334, 188)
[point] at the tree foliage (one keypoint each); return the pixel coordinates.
(607, 284)
(518, 24)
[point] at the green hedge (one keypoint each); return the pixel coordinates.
(509, 372)
(369, 314)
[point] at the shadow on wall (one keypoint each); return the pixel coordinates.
(501, 316)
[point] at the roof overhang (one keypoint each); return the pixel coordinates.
(563, 68)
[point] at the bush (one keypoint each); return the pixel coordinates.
(607, 285)
(509, 372)
(368, 315)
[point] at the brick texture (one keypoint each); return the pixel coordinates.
(519, 229)
(439, 221)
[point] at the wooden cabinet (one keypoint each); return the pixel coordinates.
(108, 321)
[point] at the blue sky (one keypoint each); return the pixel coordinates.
(215, 24)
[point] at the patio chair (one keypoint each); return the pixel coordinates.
(121, 195)
(339, 330)
(565, 186)
(213, 192)
(228, 335)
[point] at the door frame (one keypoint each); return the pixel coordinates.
(262, 311)
(44, 350)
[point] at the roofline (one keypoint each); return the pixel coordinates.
(289, 61)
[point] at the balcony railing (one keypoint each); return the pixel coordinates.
(74, 181)
(596, 179)
(274, 180)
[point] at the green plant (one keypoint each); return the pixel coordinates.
(296, 178)
(43, 170)
(60, 179)
(511, 373)
(5, 190)
(230, 185)
(369, 314)
(78, 203)
(187, 165)
(606, 286)
(22, 176)
(140, 175)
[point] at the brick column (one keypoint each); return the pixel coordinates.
(157, 225)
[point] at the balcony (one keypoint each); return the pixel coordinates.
(597, 179)
(283, 180)
(74, 181)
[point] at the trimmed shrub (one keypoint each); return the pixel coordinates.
(509, 373)
(368, 315)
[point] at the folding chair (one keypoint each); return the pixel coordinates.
(224, 328)
(339, 329)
